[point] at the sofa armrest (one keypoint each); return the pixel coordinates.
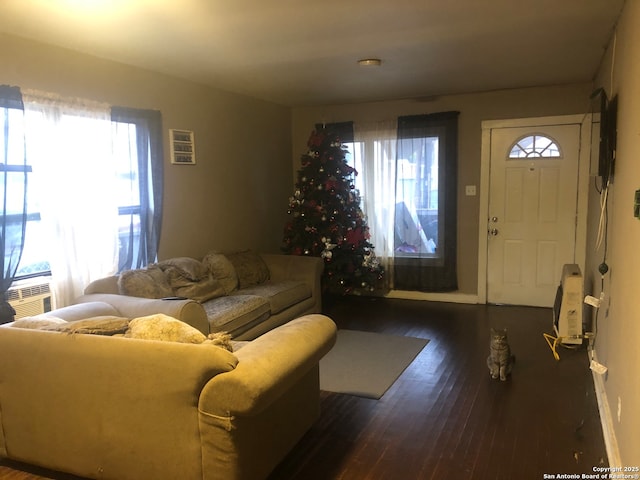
(88, 404)
(185, 310)
(81, 311)
(103, 285)
(297, 267)
(268, 366)
(293, 267)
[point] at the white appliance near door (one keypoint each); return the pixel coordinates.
(531, 209)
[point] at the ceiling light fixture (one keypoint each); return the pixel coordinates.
(368, 62)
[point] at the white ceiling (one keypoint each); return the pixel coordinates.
(304, 52)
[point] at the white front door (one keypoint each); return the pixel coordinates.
(531, 223)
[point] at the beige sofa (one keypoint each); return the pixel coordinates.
(270, 290)
(120, 408)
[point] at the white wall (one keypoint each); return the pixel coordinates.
(618, 338)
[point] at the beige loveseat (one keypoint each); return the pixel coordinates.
(243, 293)
(120, 408)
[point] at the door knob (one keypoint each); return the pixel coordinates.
(494, 219)
(493, 231)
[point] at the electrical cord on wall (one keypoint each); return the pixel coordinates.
(604, 218)
(595, 319)
(603, 268)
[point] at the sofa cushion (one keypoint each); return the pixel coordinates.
(280, 295)
(250, 268)
(222, 269)
(236, 313)
(146, 282)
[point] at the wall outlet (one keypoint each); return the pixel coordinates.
(470, 190)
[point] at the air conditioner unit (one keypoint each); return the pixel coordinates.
(30, 297)
(567, 311)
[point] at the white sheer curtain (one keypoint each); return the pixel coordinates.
(69, 146)
(375, 160)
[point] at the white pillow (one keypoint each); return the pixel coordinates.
(165, 328)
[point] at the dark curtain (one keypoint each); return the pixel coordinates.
(429, 273)
(143, 249)
(344, 130)
(13, 181)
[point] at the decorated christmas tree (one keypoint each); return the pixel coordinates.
(327, 221)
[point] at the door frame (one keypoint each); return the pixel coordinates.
(584, 167)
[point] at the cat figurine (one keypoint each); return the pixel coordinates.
(500, 359)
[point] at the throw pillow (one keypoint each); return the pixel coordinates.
(222, 270)
(190, 278)
(249, 267)
(37, 323)
(147, 283)
(102, 325)
(163, 327)
(200, 291)
(188, 267)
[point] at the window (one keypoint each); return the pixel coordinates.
(534, 146)
(16, 169)
(127, 190)
(34, 260)
(408, 184)
(426, 202)
(131, 144)
(138, 151)
(417, 197)
(13, 184)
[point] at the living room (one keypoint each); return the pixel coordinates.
(248, 151)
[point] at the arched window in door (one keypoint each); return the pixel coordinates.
(535, 146)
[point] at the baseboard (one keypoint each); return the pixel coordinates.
(608, 432)
(452, 297)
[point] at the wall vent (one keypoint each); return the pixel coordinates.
(183, 150)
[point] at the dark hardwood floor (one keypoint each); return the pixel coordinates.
(444, 418)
